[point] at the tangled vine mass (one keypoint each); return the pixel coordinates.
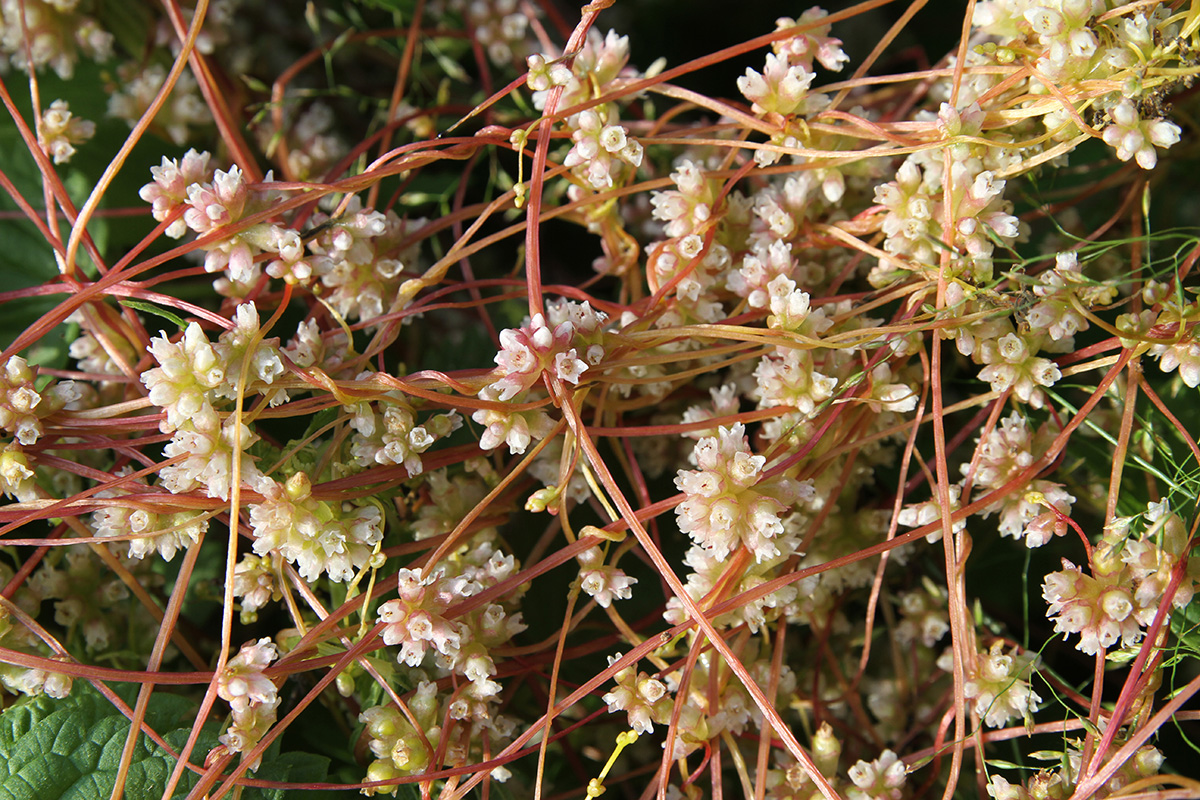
(460, 399)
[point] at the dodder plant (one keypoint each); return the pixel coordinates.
(553, 427)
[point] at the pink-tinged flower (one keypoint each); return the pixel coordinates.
(218, 203)
(414, 621)
(254, 581)
(1135, 138)
(1153, 559)
(535, 347)
(169, 190)
(814, 43)
(1023, 510)
(242, 684)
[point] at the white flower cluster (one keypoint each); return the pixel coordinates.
(212, 202)
(643, 698)
(499, 25)
(194, 374)
(1099, 608)
(916, 204)
(1145, 763)
(600, 148)
(709, 571)
(22, 407)
(765, 264)
(788, 377)
(1181, 348)
(148, 531)
(603, 153)
(315, 535)
(566, 346)
(419, 619)
(1070, 46)
(998, 683)
(791, 309)
(1011, 362)
(527, 351)
(780, 93)
(87, 596)
(183, 111)
(26, 680)
(1062, 292)
(451, 499)
(601, 582)
(728, 502)
(360, 259)
(596, 67)
(59, 131)
(255, 580)
(545, 74)
(50, 33)
(168, 192)
(394, 437)
(312, 144)
(1129, 580)
(250, 694)
(918, 515)
(220, 204)
(687, 208)
(781, 88)
(1036, 511)
(814, 43)
(881, 779)
(1152, 559)
(924, 616)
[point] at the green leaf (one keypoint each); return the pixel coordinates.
(291, 767)
(27, 259)
(70, 749)
(1186, 627)
(158, 311)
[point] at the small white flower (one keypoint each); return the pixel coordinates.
(1134, 138)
